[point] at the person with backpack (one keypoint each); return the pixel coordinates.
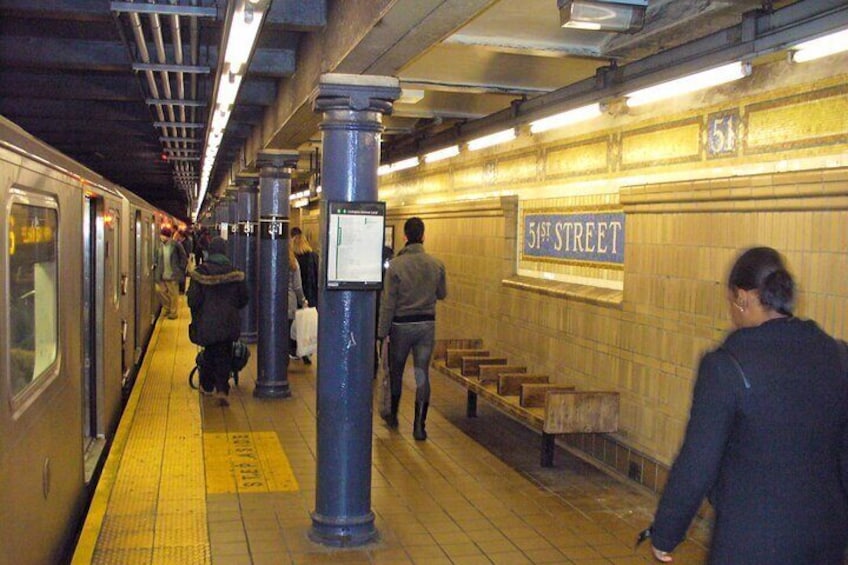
(215, 296)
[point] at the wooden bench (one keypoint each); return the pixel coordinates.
(471, 365)
(564, 412)
(453, 357)
(509, 384)
(533, 395)
(491, 373)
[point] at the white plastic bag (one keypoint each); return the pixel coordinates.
(305, 331)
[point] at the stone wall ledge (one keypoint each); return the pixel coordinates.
(557, 289)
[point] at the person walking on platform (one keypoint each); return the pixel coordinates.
(414, 282)
(307, 260)
(183, 240)
(216, 294)
(296, 299)
(169, 270)
(767, 439)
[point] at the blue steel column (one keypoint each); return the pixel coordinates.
(352, 108)
(248, 247)
(232, 226)
(273, 349)
(220, 216)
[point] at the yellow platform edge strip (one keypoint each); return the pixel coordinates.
(84, 551)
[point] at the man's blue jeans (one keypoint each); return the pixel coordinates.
(419, 338)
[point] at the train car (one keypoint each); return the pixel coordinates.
(78, 305)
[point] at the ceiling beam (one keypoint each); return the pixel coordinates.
(59, 54)
(297, 15)
(69, 85)
(77, 10)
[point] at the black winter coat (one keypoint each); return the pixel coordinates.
(769, 449)
(309, 275)
(215, 296)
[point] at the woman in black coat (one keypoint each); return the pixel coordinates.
(767, 440)
(215, 296)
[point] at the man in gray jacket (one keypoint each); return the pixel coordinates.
(170, 267)
(413, 283)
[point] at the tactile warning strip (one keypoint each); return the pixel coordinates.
(151, 500)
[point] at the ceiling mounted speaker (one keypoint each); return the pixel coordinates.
(603, 15)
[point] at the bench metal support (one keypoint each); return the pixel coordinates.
(548, 449)
(471, 408)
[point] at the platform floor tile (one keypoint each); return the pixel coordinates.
(195, 482)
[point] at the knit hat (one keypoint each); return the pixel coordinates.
(217, 246)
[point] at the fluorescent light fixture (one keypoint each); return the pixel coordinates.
(243, 32)
(384, 170)
(492, 139)
(821, 47)
(691, 83)
(603, 15)
(228, 88)
(440, 154)
(405, 164)
(566, 118)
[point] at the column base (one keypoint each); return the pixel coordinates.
(272, 390)
(343, 531)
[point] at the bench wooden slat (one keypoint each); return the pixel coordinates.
(443, 344)
(453, 357)
(490, 372)
(471, 365)
(533, 395)
(581, 412)
(509, 384)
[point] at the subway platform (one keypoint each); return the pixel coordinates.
(190, 482)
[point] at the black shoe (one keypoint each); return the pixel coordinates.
(306, 360)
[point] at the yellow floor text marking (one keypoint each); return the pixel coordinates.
(246, 462)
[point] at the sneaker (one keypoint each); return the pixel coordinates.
(293, 357)
(306, 360)
(205, 392)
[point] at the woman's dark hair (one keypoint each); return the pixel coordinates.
(762, 269)
(413, 229)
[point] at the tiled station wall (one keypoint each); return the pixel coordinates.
(689, 210)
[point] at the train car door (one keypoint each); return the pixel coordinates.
(138, 269)
(92, 306)
(114, 334)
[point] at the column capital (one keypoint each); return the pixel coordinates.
(247, 181)
(279, 158)
(356, 92)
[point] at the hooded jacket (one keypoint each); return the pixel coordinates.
(215, 296)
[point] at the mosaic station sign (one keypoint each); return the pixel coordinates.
(593, 237)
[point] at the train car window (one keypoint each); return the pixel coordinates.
(113, 224)
(32, 283)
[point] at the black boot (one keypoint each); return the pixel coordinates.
(391, 419)
(418, 431)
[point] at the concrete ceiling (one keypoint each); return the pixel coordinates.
(67, 75)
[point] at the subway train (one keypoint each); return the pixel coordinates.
(79, 303)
